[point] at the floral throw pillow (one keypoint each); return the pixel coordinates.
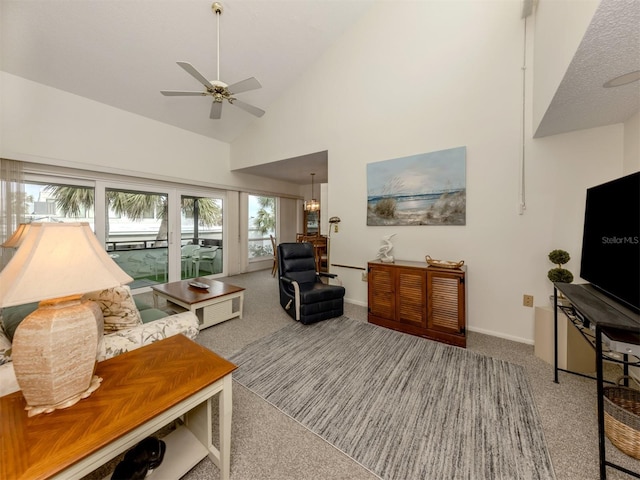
(118, 308)
(5, 347)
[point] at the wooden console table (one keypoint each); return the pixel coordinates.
(142, 391)
(422, 300)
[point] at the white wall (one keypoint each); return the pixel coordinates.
(287, 229)
(47, 126)
(574, 162)
(424, 76)
(41, 124)
(632, 144)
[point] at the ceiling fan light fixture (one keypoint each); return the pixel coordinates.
(217, 89)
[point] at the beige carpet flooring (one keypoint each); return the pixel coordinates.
(268, 445)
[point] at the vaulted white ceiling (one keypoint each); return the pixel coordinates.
(123, 52)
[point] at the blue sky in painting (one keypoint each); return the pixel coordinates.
(418, 174)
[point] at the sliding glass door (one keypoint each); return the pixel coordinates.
(136, 234)
(156, 232)
(201, 251)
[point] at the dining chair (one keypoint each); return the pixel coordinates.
(206, 256)
(186, 255)
(319, 250)
(158, 261)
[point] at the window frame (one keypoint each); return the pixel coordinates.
(174, 192)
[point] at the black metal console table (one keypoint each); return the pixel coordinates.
(596, 316)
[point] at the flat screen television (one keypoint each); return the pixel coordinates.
(611, 240)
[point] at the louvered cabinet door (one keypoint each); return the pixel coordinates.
(382, 292)
(414, 298)
(446, 301)
(411, 297)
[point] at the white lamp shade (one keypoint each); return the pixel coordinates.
(57, 260)
(16, 239)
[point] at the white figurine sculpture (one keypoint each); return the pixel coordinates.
(385, 249)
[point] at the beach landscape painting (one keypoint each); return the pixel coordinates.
(423, 189)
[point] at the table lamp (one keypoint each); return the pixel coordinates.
(54, 349)
(15, 240)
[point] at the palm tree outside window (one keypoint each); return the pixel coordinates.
(262, 224)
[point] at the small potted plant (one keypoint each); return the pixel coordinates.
(559, 274)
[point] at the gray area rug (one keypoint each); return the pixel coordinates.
(402, 406)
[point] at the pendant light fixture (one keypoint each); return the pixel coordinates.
(312, 205)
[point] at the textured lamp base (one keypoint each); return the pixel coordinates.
(37, 410)
(54, 353)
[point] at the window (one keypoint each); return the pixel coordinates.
(58, 203)
(143, 224)
(262, 224)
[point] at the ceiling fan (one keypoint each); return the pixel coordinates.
(219, 90)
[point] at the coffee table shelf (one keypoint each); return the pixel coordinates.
(220, 302)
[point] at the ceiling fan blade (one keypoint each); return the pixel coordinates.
(190, 69)
(245, 85)
(248, 108)
(216, 110)
(176, 93)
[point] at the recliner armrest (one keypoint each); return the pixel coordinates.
(327, 274)
(288, 280)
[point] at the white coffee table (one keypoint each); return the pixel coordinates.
(212, 305)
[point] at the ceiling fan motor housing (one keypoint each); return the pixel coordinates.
(218, 90)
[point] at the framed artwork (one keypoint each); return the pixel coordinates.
(424, 189)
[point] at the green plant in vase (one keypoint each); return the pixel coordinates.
(560, 274)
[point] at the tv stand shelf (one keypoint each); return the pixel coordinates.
(608, 354)
(597, 318)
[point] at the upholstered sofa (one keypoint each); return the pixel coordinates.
(128, 324)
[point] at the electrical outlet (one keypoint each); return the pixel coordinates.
(527, 300)
(364, 276)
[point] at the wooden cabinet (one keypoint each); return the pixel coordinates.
(311, 222)
(414, 298)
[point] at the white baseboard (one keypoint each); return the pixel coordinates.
(355, 302)
(501, 335)
(471, 329)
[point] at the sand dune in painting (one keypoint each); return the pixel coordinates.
(447, 209)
